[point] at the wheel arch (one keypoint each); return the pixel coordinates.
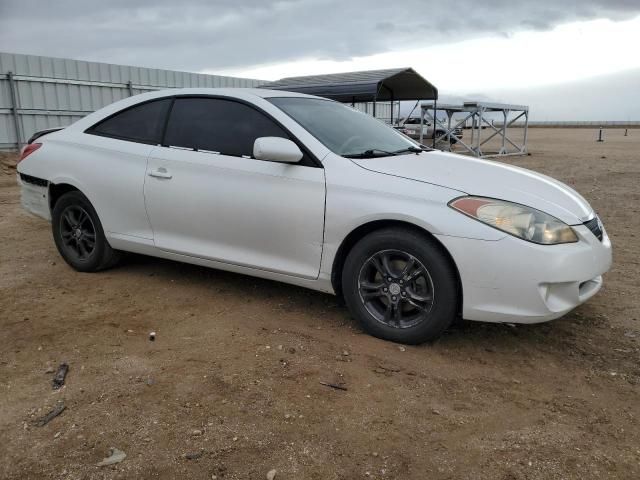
(365, 229)
(56, 190)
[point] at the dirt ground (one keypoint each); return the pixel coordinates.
(230, 389)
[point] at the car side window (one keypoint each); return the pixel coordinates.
(218, 125)
(141, 123)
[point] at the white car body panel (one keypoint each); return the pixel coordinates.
(112, 182)
(480, 177)
(512, 282)
(286, 222)
(35, 199)
(255, 213)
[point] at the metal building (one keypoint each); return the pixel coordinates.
(43, 92)
(364, 90)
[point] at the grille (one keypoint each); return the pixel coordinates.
(594, 226)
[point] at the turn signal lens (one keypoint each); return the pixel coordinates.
(517, 220)
(28, 149)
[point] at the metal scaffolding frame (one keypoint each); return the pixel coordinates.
(476, 113)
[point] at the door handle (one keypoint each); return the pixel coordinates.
(160, 173)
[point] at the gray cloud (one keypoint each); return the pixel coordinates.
(222, 34)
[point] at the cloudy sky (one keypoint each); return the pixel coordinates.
(500, 49)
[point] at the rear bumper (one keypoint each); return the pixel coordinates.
(511, 280)
(34, 196)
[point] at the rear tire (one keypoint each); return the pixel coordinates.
(78, 234)
(400, 285)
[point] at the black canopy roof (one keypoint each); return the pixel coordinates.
(366, 86)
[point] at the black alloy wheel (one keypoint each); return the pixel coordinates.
(401, 285)
(396, 288)
(78, 234)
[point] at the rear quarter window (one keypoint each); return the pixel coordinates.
(141, 123)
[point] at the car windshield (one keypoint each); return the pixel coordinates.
(344, 130)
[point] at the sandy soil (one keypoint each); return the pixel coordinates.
(231, 387)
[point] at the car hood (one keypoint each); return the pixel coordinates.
(486, 178)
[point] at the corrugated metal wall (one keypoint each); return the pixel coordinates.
(53, 92)
(383, 110)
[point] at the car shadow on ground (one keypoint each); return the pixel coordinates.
(555, 336)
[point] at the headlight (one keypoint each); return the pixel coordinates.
(517, 220)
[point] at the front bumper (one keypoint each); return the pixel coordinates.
(511, 280)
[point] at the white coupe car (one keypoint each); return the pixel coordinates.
(308, 191)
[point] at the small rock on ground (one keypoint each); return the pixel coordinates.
(115, 456)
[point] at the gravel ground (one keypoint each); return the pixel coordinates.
(231, 387)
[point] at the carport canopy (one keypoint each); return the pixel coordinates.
(366, 86)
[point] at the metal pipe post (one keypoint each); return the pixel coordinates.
(422, 110)
(449, 115)
(14, 109)
(526, 131)
(505, 114)
(473, 127)
(480, 112)
(435, 121)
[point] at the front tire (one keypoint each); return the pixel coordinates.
(78, 234)
(400, 285)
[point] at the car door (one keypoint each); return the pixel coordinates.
(207, 197)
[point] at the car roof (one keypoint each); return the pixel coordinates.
(234, 92)
(248, 94)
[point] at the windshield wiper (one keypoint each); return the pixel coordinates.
(372, 152)
(411, 149)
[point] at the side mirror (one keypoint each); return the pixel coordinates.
(276, 149)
